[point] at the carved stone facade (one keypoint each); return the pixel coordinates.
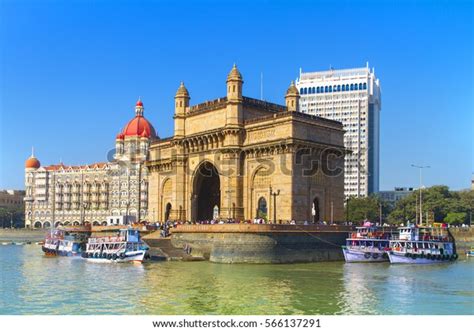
(227, 155)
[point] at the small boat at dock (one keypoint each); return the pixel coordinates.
(126, 246)
(422, 245)
(66, 241)
(367, 244)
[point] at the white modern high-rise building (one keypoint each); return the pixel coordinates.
(350, 96)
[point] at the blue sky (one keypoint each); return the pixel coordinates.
(71, 72)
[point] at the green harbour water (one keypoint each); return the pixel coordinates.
(31, 283)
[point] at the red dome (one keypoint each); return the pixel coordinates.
(139, 126)
(32, 162)
(139, 103)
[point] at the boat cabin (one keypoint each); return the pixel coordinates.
(408, 233)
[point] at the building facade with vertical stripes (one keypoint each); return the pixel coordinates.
(352, 97)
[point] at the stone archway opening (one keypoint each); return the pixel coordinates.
(38, 225)
(207, 190)
(168, 211)
(262, 211)
(315, 211)
(47, 225)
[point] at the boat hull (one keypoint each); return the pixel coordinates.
(129, 257)
(400, 258)
(353, 255)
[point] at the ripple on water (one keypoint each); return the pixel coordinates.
(34, 284)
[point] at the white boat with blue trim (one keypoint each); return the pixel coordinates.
(66, 241)
(126, 246)
(367, 244)
(422, 245)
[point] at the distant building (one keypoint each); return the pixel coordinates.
(398, 193)
(98, 194)
(352, 97)
(12, 198)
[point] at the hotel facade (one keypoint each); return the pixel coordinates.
(352, 97)
(104, 193)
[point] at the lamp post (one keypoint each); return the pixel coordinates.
(421, 187)
(347, 209)
(274, 195)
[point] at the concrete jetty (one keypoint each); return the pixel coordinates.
(255, 243)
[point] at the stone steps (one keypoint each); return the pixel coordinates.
(161, 248)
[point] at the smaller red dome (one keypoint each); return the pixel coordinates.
(32, 162)
(120, 136)
(139, 103)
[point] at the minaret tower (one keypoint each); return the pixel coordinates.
(181, 105)
(234, 98)
(234, 85)
(139, 108)
(292, 98)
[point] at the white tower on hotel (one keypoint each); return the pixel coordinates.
(350, 96)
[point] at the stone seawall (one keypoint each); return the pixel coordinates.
(464, 239)
(22, 235)
(259, 243)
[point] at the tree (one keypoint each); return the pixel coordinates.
(455, 218)
(438, 202)
(15, 214)
(365, 208)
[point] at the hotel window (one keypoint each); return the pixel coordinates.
(314, 90)
(365, 86)
(352, 87)
(301, 90)
(326, 89)
(330, 88)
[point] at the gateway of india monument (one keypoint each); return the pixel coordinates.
(240, 158)
(234, 157)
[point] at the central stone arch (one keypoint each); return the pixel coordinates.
(206, 192)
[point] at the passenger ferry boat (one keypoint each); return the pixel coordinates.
(126, 246)
(422, 245)
(66, 241)
(367, 244)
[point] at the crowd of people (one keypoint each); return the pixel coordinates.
(164, 227)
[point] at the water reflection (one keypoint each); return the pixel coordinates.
(33, 284)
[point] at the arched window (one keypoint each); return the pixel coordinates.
(314, 90)
(330, 88)
(338, 88)
(352, 87)
(343, 87)
(360, 86)
(365, 86)
(356, 87)
(347, 87)
(301, 90)
(315, 211)
(262, 208)
(326, 89)
(305, 91)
